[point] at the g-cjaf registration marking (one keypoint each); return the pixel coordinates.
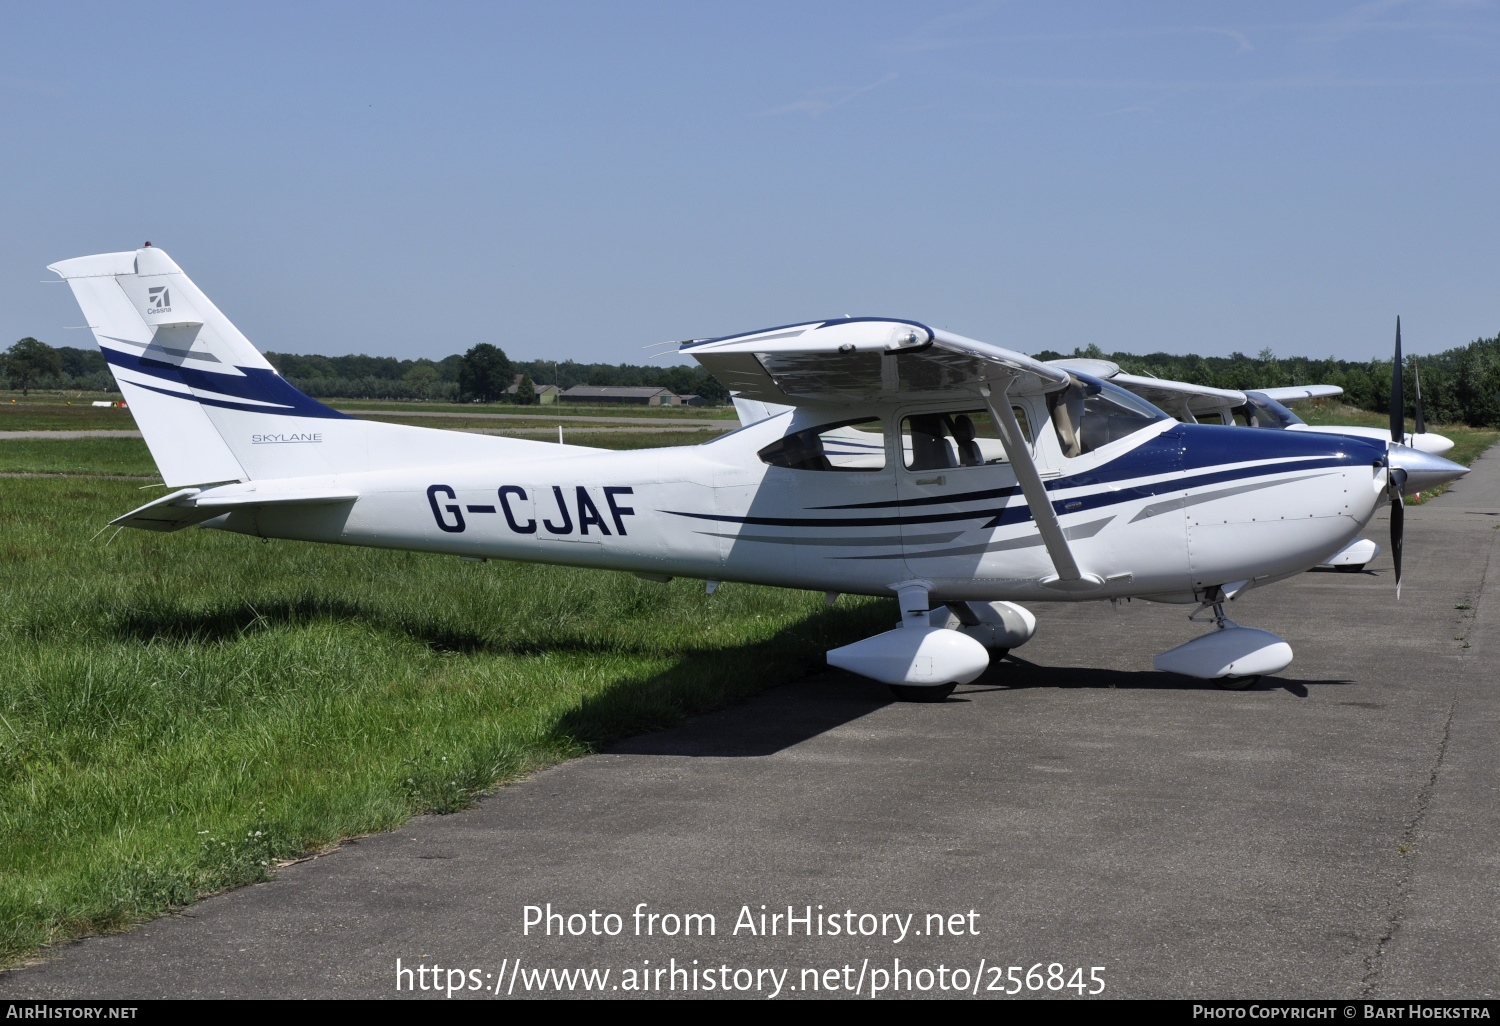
(578, 517)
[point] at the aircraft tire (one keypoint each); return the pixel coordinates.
(922, 692)
(997, 654)
(1237, 683)
(1350, 568)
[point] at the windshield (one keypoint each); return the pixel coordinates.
(1263, 411)
(1091, 413)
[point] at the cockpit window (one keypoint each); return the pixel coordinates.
(961, 438)
(1090, 413)
(847, 445)
(1261, 410)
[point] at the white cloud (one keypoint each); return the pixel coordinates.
(821, 101)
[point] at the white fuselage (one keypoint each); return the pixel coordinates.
(1137, 512)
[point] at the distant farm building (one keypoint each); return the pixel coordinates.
(642, 396)
(544, 393)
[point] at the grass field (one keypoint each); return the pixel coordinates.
(52, 412)
(127, 457)
(179, 712)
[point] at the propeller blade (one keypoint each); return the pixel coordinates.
(1417, 380)
(1395, 485)
(1398, 527)
(1398, 397)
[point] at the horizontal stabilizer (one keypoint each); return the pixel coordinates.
(188, 506)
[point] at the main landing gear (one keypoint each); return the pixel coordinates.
(932, 651)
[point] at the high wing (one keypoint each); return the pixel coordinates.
(866, 359)
(875, 360)
(1106, 369)
(1175, 397)
(1299, 393)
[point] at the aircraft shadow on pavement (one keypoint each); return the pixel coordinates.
(1363, 572)
(785, 716)
(1014, 674)
(772, 721)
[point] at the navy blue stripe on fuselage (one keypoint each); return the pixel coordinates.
(1167, 453)
(1019, 512)
(1114, 496)
(261, 385)
(931, 500)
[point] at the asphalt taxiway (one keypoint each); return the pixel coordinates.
(1333, 833)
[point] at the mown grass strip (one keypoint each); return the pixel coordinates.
(102, 456)
(57, 415)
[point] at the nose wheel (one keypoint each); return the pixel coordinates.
(1235, 658)
(1238, 683)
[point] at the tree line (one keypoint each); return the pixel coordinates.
(484, 374)
(1460, 385)
(31, 364)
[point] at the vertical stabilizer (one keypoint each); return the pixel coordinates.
(213, 409)
(159, 335)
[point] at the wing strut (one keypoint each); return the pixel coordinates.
(1069, 577)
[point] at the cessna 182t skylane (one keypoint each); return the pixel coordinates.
(958, 476)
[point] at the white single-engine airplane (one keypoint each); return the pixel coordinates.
(917, 463)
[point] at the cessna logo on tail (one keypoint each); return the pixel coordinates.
(158, 299)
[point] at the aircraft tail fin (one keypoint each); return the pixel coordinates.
(212, 408)
(172, 353)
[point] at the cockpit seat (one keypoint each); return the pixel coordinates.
(969, 453)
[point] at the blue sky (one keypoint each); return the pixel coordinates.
(579, 180)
